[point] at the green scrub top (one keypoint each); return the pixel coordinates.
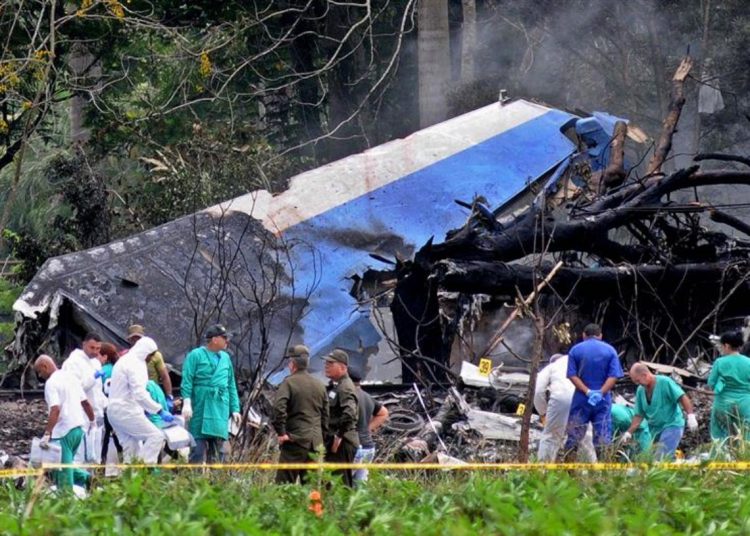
(107, 370)
(158, 396)
(622, 417)
(730, 381)
(664, 410)
(208, 381)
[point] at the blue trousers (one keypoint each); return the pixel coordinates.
(667, 441)
(209, 449)
(582, 413)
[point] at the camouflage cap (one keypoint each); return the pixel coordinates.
(338, 356)
(136, 330)
(298, 350)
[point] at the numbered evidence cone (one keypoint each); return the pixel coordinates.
(316, 503)
(521, 409)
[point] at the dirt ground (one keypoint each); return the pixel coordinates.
(20, 421)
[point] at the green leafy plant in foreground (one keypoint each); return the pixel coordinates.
(650, 502)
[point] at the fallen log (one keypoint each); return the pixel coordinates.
(504, 279)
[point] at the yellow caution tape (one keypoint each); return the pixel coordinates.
(18, 473)
(516, 467)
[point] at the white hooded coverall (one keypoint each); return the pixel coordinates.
(553, 378)
(128, 399)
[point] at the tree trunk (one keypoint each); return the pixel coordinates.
(703, 63)
(79, 62)
(468, 39)
(676, 103)
(433, 43)
(615, 174)
(536, 359)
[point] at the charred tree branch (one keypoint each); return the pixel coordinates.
(727, 219)
(615, 174)
(722, 157)
(664, 144)
(501, 278)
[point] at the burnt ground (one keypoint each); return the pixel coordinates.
(20, 421)
(692, 442)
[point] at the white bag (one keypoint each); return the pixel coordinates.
(92, 445)
(178, 437)
(40, 456)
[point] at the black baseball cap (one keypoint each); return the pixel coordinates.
(216, 330)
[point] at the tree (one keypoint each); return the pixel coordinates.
(434, 61)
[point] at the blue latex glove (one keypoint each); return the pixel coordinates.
(170, 403)
(98, 374)
(166, 416)
(595, 397)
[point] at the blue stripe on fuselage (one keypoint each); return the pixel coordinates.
(404, 214)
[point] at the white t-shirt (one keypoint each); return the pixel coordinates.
(81, 366)
(64, 390)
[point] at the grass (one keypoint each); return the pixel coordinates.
(651, 502)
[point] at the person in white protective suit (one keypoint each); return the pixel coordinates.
(128, 398)
(84, 363)
(554, 413)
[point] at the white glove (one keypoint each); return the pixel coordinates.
(237, 418)
(187, 409)
(44, 442)
(91, 426)
(692, 422)
(624, 438)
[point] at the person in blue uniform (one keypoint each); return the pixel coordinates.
(593, 367)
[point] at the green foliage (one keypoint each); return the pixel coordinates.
(644, 502)
(9, 292)
(61, 206)
(210, 167)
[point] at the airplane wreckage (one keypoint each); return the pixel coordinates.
(416, 255)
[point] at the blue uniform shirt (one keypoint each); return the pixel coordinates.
(593, 361)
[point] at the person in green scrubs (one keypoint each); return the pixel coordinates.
(210, 396)
(157, 395)
(622, 418)
(730, 381)
(661, 402)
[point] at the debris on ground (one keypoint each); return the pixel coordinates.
(23, 420)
